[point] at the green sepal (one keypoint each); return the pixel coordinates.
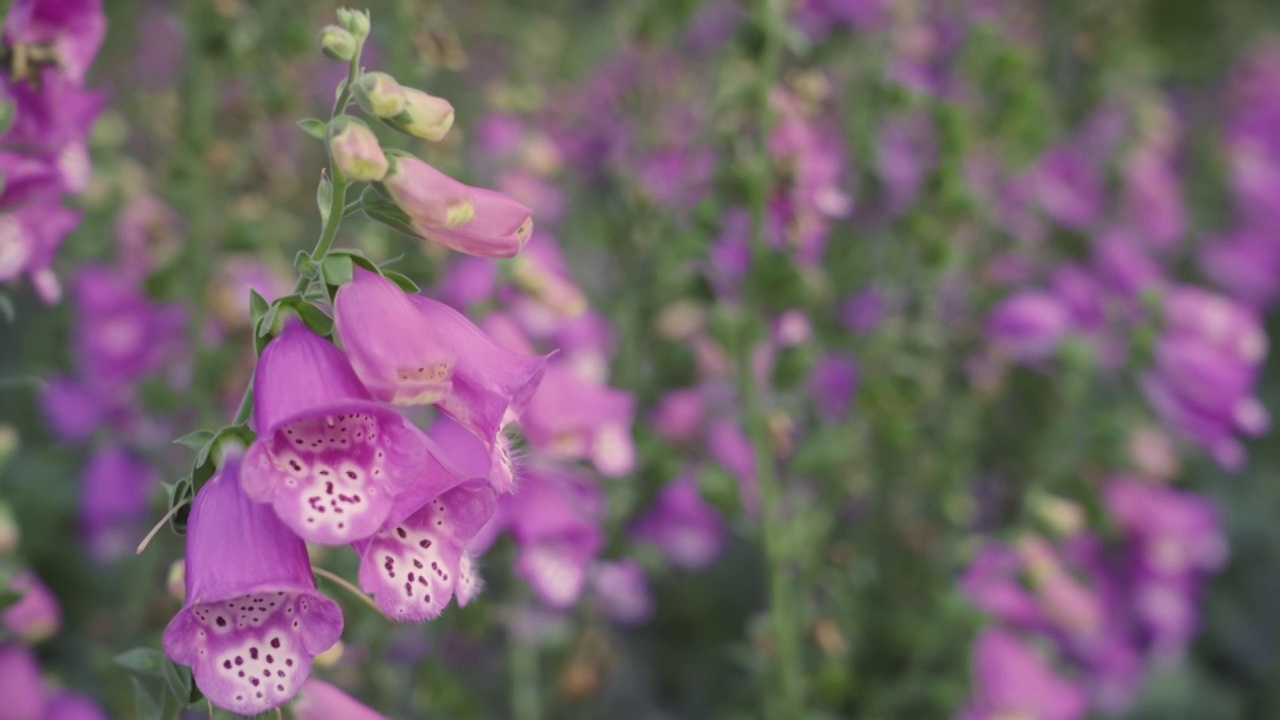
(313, 127)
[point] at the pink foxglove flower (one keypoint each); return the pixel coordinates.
(688, 531)
(36, 615)
(113, 501)
(555, 519)
(571, 417)
(253, 619)
(1029, 325)
(74, 28)
(409, 350)
(318, 700)
(622, 591)
(67, 705)
(20, 684)
(1012, 681)
(416, 567)
(328, 458)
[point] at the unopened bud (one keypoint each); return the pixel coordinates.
(337, 44)
(356, 152)
(427, 195)
(424, 116)
(356, 21)
(380, 95)
(176, 583)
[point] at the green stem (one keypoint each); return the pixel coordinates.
(525, 701)
(784, 602)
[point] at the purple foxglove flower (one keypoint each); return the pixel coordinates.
(1071, 606)
(113, 501)
(253, 619)
(426, 195)
(1169, 613)
(74, 28)
(1124, 264)
(420, 351)
(468, 281)
(318, 700)
(328, 458)
(906, 156)
(1175, 533)
(70, 410)
(832, 384)
(712, 25)
(542, 274)
(1153, 199)
(679, 415)
(36, 615)
(1219, 322)
(1012, 681)
(1028, 325)
(730, 447)
(29, 237)
(20, 684)
(1082, 293)
(499, 228)
(555, 518)
(991, 582)
(498, 134)
(53, 118)
(1245, 264)
(862, 311)
(571, 417)
(622, 591)
(677, 177)
(688, 531)
(67, 705)
(120, 336)
(415, 568)
(1069, 188)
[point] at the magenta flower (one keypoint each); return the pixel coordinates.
(622, 591)
(688, 531)
(572, 417)
(1011, 681)
(410, 350)
(832, 384)
(678, 416)
(121, 336)
(113, 501)
(1244, 263)
(1069, 187)
(253, 619)
(1153, 198)
(74, 28)
(36, 615)
(328, 458)
(69, 409)
(416, 567)
(20, 684)
(731, 448)
(1175, 533)
(1028, 325)
(318, 700)
(67, 705)
(555, 518)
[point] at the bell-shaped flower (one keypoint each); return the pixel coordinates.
(1011, 681)
(67, 705)
(113, 501)
(253, 619)
(20, 685)
(688, 531)
(622, 591)
(318, 700)
(74, 29)
(1029, 325)
(1174, 533)
(572, 417)
(499, 229)
(555, 518)
(412, 350)
(328, 457)
(414, 568)
(35, 615)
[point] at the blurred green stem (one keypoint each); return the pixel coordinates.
(788, 703)
(525, 701)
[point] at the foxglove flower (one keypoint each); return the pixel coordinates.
(66, 705)
(1028, 325)
(570, 417)
(1175, 533)
(1011, 681)
(622, 590)
(74, 29)
(328, 457)
(20, 684)
(253, 619)
(410, 350)
(416, 567)
(113, 500)
(36, 615)
(318, 700)
(1069, 187)
(688, 531)
(555, 519)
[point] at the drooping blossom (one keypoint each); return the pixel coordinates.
(20, 684)
(622, 591)
(252, 620)
(113, 500)
(36, 614)
(1012, 681)
(328, 457)
(1028, 325)
(689, 532)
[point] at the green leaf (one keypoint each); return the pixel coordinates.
(378, 208)
(336, 269)
(314, 318)
(324, 197)
(8, 597)
(178, 678)
(313, 127)
(357, 257)
(258, 306)
(148, 708)
(403, 281)
(147, 662)
(195, 440)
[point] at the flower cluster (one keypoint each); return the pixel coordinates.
(45, 116)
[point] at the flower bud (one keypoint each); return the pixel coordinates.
(427, 195)
(380, 95)
(355, 21)
(356, 152)
(337, 44)
(425, 116)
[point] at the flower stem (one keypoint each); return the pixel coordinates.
(783, 600)
(525, 701)
(342, 582)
